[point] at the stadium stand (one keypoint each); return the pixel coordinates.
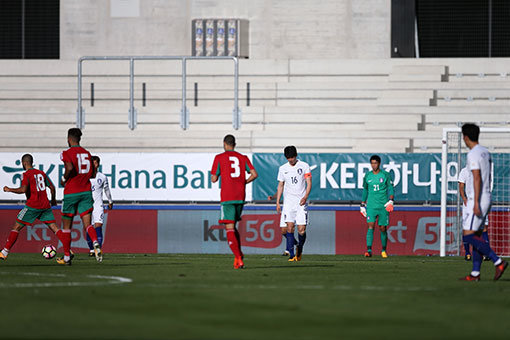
(331, 105)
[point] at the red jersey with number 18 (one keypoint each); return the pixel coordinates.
(232, 167)
(36, 182)
(82, 164)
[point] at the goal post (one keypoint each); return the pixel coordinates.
(453, 158)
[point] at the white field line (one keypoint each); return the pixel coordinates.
(105, 280)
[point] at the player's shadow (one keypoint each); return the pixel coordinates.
(292, 266)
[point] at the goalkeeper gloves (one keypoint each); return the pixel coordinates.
(363, 209)
(389, 206)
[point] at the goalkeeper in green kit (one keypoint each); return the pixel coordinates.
(377, 203)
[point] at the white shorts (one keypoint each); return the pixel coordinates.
(472, 222)
(295, 213)
(98, 214)
(282, 221)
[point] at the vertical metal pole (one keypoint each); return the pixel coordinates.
(91, 94)
(247, 94)
(131, 116)
(236, 121)
(184, 110)
(444, 193)
(143, 95)
(79, 111)
(196, 94)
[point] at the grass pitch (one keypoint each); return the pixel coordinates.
(201, 297)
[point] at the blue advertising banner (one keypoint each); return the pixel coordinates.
(339, 177)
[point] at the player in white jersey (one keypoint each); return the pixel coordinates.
(466, 193)
(479, 166)
(295, 182)
(99, 184)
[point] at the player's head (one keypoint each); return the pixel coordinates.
(229, 142)
(375, 162)
(96, 160)
(470, 132)
(290, 153)
(27, 161)
(73, 136)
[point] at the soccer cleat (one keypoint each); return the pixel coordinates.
(293, 259)
(238, 263)
(500, 269)
(485, 258)
(92, 253)
(368, 254)
(384, 254)
(60, 260)
(97, 252)
(72, 254)
(286, 253)
(470, 278)
(467, 257)
(2, 256)
(299, 253)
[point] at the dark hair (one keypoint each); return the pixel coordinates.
(97, 159)
(27, 158)
(230, 140)
(290, 151)
(375, 158)
(472, 131)
(75, 134)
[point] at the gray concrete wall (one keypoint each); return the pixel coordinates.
(279, 29)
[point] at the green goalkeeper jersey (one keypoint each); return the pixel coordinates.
(377, 188)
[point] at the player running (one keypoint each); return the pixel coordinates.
(295, 182)
(375, 206)
(479, 165)
(77, 194)
(466, 193)
(232, 167)
(99, 183)
(34, 183)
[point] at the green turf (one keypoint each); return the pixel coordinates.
(201, 297)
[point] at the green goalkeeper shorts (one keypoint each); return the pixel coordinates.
(374, 213)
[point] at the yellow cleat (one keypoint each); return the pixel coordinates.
(293, 259)
(384, 254)
(2, 256)
(60, 260)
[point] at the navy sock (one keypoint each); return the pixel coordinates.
(99, 232)
(290, 243)
(466, 248)
(483, 247)
(485, 236)
(295, 241)
(302, 239)
(89, 242)
(477, 260)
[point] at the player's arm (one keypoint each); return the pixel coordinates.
(21, 190)
(108, 193)
(67, 173)
(364, 196)
(477, 184)
(53, 192)
(272, 197)
(462, 192)
(215, 171)
(308, 180)
(251, 170)
(391, 193)
(279, 196)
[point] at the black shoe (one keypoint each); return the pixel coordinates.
(467, 257)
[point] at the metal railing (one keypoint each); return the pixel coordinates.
(132, 113)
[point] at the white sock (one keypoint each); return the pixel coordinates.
(498, 262)
(67, 258)
(473, 273)
(5, 252)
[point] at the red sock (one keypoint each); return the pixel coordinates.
(233, 244)
(238, 237)
(13, 236)
(65, 237)
(92, 233)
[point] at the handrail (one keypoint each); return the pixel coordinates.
(132, 114)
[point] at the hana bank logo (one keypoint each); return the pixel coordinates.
(17, 171)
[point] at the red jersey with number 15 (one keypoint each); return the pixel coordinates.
(80, 176)
(232, 167)
(36, 182)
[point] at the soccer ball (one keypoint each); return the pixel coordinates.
(49, 252)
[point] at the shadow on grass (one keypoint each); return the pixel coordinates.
(292, 266)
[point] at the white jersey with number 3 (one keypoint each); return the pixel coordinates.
(294, 178)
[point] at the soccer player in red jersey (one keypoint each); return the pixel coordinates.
(77, 193)
(232, 167)
(33, 184)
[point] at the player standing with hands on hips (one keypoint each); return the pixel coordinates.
(232, 167)
(295, 182)
(479, 163)
(375, 206)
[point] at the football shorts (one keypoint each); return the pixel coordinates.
(28, 215)
(80, 203)
(295, 213)
(231, 212)
(470, 221)
(374, 213)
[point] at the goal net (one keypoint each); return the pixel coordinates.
(454, 152)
